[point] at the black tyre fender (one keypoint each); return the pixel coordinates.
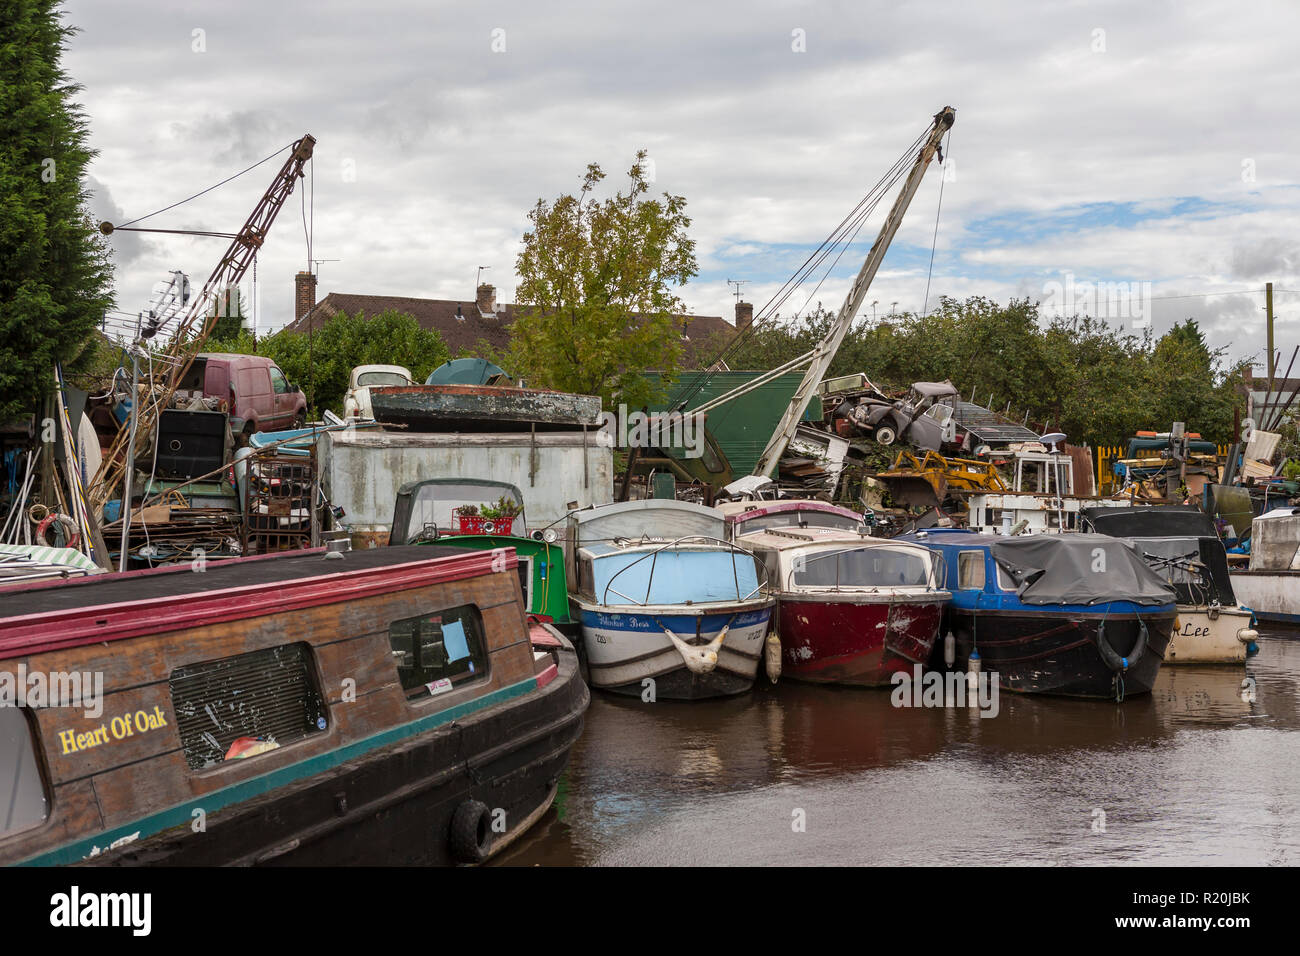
(1117, 662)
(470, 839)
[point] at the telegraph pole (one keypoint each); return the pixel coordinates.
(1268, 312)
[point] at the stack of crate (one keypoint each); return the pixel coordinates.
(279, 493)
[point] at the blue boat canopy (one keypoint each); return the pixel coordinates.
(1079, 569)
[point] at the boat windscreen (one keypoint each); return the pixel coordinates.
(1196, 568)
(1079, 569)
(433, 504)
(674, 576)
(795, 519)
(1165, 521)
(871, 567)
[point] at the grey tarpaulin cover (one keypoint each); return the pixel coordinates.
(1079, 569)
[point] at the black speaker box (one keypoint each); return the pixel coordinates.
(190, 444)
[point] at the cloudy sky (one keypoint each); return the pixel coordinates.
(1095, 142)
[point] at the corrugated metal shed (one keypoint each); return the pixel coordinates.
(744, 426)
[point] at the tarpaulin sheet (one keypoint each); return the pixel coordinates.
(1079, 569)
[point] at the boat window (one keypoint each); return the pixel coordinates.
(792, 519)
(23, 800)
(864, 567)
(435, 653)
(970, 571)
(525, 570)
(436, 505)
(242, 706)
(1005, 582)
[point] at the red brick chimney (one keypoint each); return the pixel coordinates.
(487, 299)
(304, 294)
(744, 315)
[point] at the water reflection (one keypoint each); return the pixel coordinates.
(1203, 770)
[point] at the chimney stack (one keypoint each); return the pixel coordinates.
(487, 300)
(744, 315)
(304, 294)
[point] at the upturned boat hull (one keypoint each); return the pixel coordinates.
(855, 640)
(627, 649)
(1054, 652)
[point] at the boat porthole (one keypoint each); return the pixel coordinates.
(471, 832)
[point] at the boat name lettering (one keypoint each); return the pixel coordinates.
(119, 728)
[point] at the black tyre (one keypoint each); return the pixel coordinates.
(471, 832)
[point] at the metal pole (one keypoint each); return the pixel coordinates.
(130, 457)
(1268, 311)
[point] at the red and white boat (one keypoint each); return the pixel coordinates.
(851, 609)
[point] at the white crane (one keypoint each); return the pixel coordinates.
(820, 358)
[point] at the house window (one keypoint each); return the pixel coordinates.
(242, 706)
(23, 800)
(970, 571)
(438, 652)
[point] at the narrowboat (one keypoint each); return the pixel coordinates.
(1181, 544)
(430, 512)
(851, 609)
(388, 706)
(668, 608)
(1075, 615)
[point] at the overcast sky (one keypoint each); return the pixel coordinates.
(1108, 142)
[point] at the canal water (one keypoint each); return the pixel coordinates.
(1198, 772)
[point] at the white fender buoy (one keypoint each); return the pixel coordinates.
(699, 659)
(949, 649)
(972, 673)
(773, 657)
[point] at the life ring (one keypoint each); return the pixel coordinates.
(70, 530)
(471, 832)
(1114, 661)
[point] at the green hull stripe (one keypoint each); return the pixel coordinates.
(180, 815)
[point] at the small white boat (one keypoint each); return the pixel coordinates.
(1271, 586)
(668, 608)
(1181, 544)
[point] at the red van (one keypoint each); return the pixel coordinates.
(253, 389)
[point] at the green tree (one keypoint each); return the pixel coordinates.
(1078, 375)
(598, 287)
(54, 268)
(320, 364)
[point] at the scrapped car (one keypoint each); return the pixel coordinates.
(356, 403)
(924, 418)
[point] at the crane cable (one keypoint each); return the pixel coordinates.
(209, 189)
(843, 234)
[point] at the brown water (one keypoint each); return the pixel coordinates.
(1192, 774)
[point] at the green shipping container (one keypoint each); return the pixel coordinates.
(743, 426)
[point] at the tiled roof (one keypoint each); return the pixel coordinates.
(463, 332)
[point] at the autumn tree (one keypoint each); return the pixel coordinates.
(599, 290)
(54, 268)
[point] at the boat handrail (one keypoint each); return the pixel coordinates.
(935, 573)
(732, 547)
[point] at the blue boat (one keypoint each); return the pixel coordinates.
(1075, 615)
(667, 607)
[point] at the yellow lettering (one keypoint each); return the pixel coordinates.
(69, 741)
(162, 720)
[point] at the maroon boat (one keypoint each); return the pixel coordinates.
(852, 609)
